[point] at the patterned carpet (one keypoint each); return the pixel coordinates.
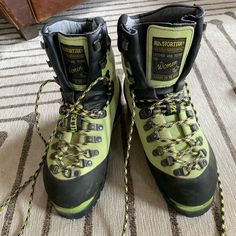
(212, 81)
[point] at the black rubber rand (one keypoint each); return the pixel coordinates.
(192, 192)
(87, 210)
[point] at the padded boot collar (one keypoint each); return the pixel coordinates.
(132, 33)
(98, 43)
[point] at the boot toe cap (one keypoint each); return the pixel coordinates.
(73, 192)
(188, 191)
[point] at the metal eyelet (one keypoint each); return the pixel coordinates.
(88, 163)
(84, 163)
(91, 127)
(204, 152)
(102, 114)
(96, 152)
(169, 161)
(184, 171)
(92, 153)
(194, 127)
(99, 113)
(99, 127)
(189, 113)
(148, 125)
(145, 113)
(67, 173)
(199, 140)
(54, 169)
(74, 172)
(153, 137)
(98, 139)
(89, 139)
(202, 163)
(158, 151)
(96, 127)
(93, 139)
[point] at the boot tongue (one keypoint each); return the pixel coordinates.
(75, 57)
(166, 52)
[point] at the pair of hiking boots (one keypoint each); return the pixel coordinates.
(158, 50)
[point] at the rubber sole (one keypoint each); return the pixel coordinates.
(188, 213)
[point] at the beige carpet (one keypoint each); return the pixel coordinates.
(212, 80)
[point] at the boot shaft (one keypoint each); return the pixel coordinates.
(159, 48)
(79, 51)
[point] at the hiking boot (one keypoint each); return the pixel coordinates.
(158, 50)
(75, 166)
